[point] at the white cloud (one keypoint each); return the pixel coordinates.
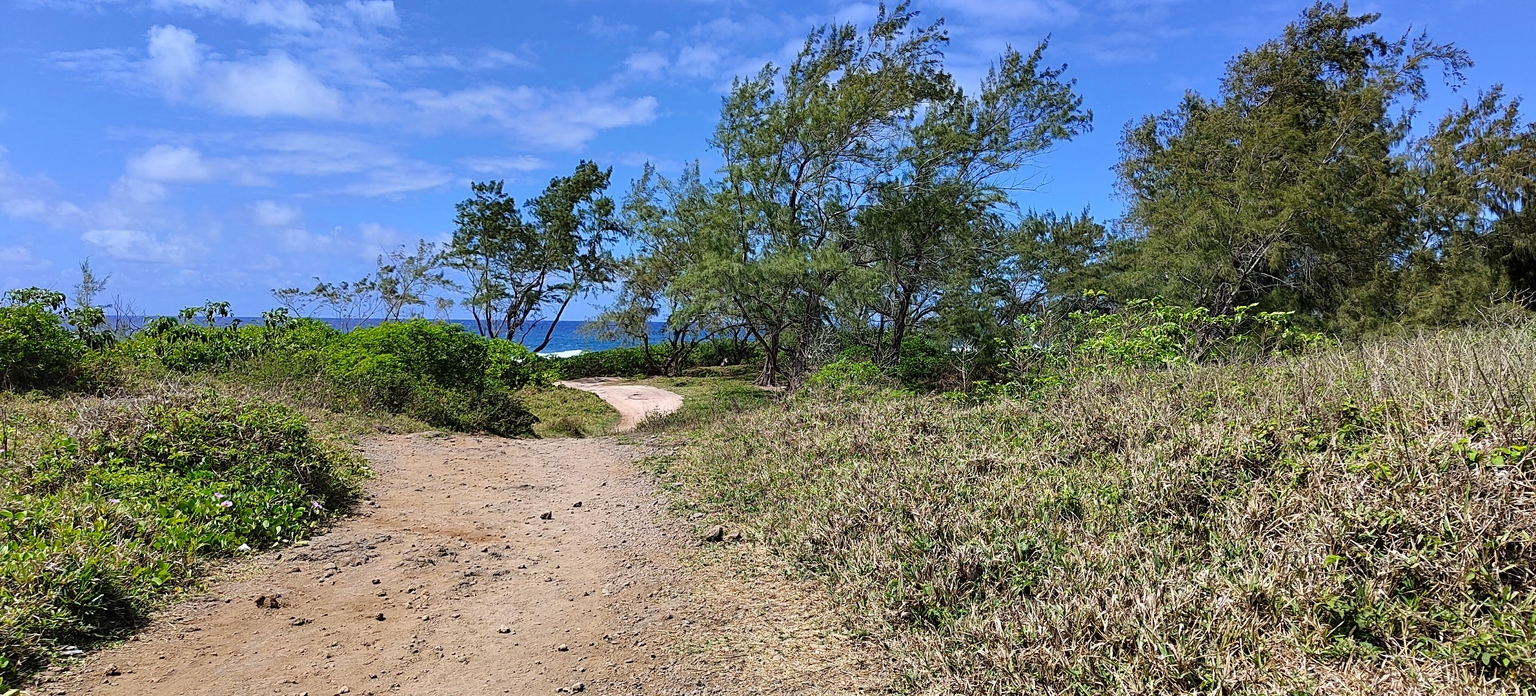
(375, 239)
(175, 58)
(20, 258)
(281, 14)
(135, 245)
(602, 28)
(379, 13)
(647, 63)
(504, 165)
(698, 61)
(541, 118)
(34, 198)
(382, 171)
(1014, 11)
(167, 163)
(274, 86)
(274, 214)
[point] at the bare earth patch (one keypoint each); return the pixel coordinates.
(634, 402)
(452, 579)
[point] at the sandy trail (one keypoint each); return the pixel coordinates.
(451, 579)
(633, 402)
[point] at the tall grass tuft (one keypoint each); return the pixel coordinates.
(1358, 520)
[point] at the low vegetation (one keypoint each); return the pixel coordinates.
(108, 504)
(566, 412)
(1341, 521)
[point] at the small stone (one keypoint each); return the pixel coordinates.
(561, 647)
(715, 533)
(696, 516)
(504, 629)
(379, 616)
(547, 515)
(343, 690)
(111, 671)
(375, 581)
(576, 504)
(734, 536)
(578, 687)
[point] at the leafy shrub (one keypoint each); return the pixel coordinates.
(513, 365)
(628, 361)
(94, 526)
(436, 372)
(36, 350)
(180, 344)
(846, 374)
(613, 362)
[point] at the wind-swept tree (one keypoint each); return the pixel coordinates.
(1288, 190)
(520, 270)
(862, 157)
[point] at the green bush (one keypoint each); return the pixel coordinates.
(846, 374)
(435, 372)
(613, 362)
(183, 345)
(93, 528)
(36, 350)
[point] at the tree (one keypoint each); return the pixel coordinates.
(661, 221)
(1288, 190)
(404, 278)
(1476, 237)
(90, 285)
(857, 166)
(351, 304)
(517, 269)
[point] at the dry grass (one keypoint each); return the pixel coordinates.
(1356, 521)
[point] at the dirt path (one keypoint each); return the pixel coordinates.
(633, 402)
(452, 579)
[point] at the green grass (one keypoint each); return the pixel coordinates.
(1352, 521)
(566, 412)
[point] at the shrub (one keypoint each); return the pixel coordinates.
(847, 374)
(36, 350)
(95, 526)
(435, 372)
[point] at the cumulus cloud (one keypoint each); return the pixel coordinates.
(135, 245)
(167, 163)
(272, 86)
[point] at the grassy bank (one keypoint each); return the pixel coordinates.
(1349, 521)
(108, 505)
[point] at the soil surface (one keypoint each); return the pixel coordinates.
(633, 402)
(481, 565)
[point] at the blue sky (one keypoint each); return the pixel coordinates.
(215, 149)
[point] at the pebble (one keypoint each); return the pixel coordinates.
(562, 647)
(547, 515)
